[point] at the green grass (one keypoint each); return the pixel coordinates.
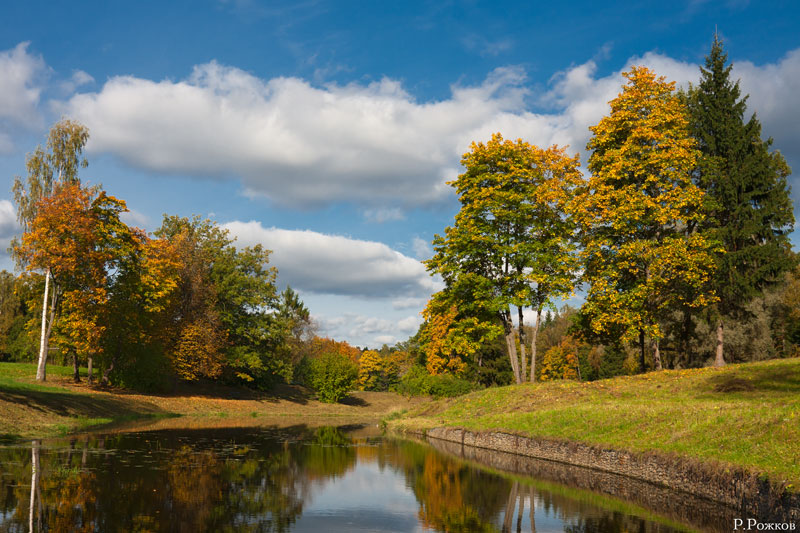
(747, 415)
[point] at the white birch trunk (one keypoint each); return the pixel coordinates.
(41, 370)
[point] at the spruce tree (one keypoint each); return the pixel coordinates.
(748, 210)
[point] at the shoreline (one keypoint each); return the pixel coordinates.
(734, 487)
(58, 408)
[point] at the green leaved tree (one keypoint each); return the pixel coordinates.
(511, 245)
(748, 210)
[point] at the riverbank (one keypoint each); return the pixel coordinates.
(29, 409)
(738, 418)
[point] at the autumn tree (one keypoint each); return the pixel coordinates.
(138, 319)
(748, 210)
(511, 245)
(48, 168)
(633, 212)
(78, 233)
(224, 313)
(449, 338)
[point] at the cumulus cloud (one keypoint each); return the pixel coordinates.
(21, 82)
(384, 214)
(21, 74)
(773, 91)
(299, 144)
(372, 144)
(133, 217)
(8, 225)
(408, 303)
(379, 331)
(422, 248)
(79, 78)
(331, 264)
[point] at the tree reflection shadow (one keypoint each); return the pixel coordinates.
(262, 480)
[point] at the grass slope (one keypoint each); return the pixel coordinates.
(747, 415)
(29, 409)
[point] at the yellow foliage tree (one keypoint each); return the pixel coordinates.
(634, 212)
(561, 361)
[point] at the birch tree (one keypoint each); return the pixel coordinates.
(48, 167)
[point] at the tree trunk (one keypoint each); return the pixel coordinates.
(89, 370)
(534, 340)
(641, 350)
(107, 372)
(720, 359)
(523, 358)
(687, 337)
(76, 374)
(41, 370)
(656, 355)
(511, 343)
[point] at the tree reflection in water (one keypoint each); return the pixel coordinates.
(263, 480)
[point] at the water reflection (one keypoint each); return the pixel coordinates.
(272, 479)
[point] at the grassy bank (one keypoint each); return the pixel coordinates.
(747, 415)
(29, 409)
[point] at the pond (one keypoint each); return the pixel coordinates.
(294, 479)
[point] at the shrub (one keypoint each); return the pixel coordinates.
(333, 375)
(418, 383)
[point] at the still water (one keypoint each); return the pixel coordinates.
(286, 479)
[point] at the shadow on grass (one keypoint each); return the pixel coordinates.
(71, 404)
(9, 438)
(216, 391)
(354, 401)
(779, 379)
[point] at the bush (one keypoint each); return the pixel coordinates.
(419, 383)
(333, 375)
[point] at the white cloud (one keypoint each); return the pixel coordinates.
(300, 144)
(133, 217)
(79, 78)
(331, 264)
(373, 144)
(773, 93)
(384, 214)
(385, 339)
(21, 74)
(409, 324)
(408, 303)
(422, 248)
(9, 227)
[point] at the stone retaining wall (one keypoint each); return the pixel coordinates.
(743, 491)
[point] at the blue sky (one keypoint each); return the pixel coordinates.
(326, 129)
